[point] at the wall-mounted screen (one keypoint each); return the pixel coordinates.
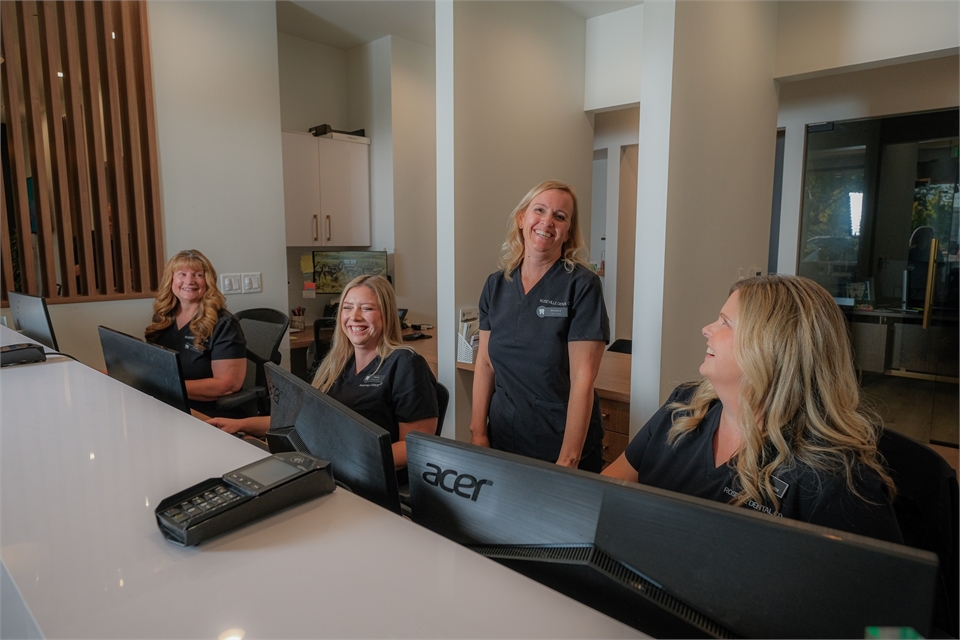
(332, 270)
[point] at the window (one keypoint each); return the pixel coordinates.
(80, 215)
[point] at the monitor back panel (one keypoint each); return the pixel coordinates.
(32, 319)
(756, 575)
(475, 495)
(358, 450)
(149, 368)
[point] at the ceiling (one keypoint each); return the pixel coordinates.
(344, 24)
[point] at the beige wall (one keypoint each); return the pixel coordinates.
(313, 84)
(516, 93)
(626, 243)
(818, 37)
(413, 88)
(723, 136)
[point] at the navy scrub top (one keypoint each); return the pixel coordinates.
(529, 333)
(225, 343)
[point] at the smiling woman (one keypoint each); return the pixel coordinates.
(543, 326)
(370, 370)
(190, 317)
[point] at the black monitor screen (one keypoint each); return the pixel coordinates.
(359, 451)
(149, 368)
(31, 318)
(667, 564)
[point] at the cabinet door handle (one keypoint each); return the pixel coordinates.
(316, 228)
(329, 228)
(931, 272)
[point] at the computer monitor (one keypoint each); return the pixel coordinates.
(333, 270)
(149, 368)
(358, 450)
(32, 319)
(667, 564)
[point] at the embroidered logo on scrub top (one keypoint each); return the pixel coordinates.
(551, 312)
(188, 344)
(373, 380)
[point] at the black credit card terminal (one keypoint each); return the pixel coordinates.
(218, 505)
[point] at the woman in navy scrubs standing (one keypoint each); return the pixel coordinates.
(543, 327)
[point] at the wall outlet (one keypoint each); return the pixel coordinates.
(230, 284)
(251, 283)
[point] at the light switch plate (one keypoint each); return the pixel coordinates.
(230, 284)
(251, 283)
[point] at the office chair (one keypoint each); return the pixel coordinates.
(263, 330)
(926, 507)
(443, 399)
(622, 346)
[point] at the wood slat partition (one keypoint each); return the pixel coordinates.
(80, 207)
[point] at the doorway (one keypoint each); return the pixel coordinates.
(879, 230)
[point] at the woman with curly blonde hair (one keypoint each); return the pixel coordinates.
(190, 317)
(776, 424)
(543, 327)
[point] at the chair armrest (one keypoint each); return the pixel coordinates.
(238, 398)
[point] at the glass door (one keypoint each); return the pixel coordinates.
(879, 231)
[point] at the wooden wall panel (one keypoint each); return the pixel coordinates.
(78, 75)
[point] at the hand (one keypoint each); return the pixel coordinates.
(230, 425)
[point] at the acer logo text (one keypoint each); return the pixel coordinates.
(462, 484)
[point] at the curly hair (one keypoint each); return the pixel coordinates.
(574, 250)
(799, 399)
(341, 349)
(166, 305)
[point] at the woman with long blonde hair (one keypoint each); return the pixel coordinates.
(190, 317)
(776, 423)
(370, 370)
(543, 327)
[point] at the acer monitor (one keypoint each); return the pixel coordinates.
(667, 564)
(302, 418)
(149, 368)
(32, 319)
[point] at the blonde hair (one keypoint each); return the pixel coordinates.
(573, 251)
(342, 349)
(799, 400)
(166, 305)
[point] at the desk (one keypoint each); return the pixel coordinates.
(84, 460)
(613, 387)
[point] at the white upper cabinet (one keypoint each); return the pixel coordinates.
(326, 190)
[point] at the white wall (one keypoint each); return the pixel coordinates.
(614, 130)
(218, 127)
(722, 128)
(518, 119)
(917, 86)
(818, 37)
(413, 100)
(613, 45)
(368, 104)
(313, 84)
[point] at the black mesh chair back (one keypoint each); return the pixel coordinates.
(621, 346)
(927, 512)
(443, 399)
(263, 330)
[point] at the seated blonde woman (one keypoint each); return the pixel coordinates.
(190, 317)
(370, 370)
(776, 424)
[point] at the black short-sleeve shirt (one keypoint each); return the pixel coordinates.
(687, 466)
(225, 343)
(401, 389)
(528, 347)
